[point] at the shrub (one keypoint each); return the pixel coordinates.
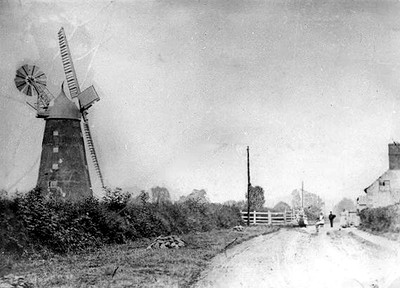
(382, 219)
(33, 222)
(12, 231)
(116, 200)
(312, 212)
(227, 216)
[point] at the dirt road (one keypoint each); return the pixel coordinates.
(301, 258)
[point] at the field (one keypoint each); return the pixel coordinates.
(132, 265)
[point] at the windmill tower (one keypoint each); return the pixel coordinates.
(63, 170)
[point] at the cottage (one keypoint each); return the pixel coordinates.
(385, 190)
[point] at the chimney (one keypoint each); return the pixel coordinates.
(394, 156)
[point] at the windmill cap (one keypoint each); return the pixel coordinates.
(63, 108)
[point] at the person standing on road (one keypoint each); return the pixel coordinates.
(320, 222)
(343, 219)
(331, 217)
(302, 224)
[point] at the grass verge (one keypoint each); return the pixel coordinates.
(132, 265)
(395, 236)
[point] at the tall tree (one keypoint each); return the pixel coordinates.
(239, 204)
(199, 196)
(312, 203)
(310, 199)
(345, 203)
(281, 206)
(160, 195)
(257, 198)
(296, 199)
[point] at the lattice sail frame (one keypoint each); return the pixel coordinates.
(85, 99)
(69, 70)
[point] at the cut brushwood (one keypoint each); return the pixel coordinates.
(166, 242)
(14, 281)
(238, 228)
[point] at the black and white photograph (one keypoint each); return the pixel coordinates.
(200, 143)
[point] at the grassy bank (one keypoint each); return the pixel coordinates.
(132, 265)
(391, 235)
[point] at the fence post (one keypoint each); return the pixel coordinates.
(254, 217)
(269, 217)
(284, 217)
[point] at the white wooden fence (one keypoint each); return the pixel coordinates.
(270, 218)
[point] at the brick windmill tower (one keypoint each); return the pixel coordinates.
(63, 170)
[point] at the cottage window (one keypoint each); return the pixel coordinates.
(55, 133)
(55, 149)
(384, 185)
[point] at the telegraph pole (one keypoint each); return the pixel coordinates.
(248, 186)
(302, 195)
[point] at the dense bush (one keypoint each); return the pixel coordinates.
(33, 222)
(382, 219)
(12, 231)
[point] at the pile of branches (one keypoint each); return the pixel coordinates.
(238, 228)
(12, 281)
(167, 242)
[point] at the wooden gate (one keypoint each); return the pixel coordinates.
(270, 218)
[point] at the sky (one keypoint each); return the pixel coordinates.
(312, 87)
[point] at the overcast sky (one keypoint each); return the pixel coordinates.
(311, 86)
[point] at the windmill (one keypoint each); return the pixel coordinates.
(63, 170)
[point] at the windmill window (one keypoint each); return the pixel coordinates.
(55, 166)
(55, 149)
(55, 133)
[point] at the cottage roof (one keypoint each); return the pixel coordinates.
(63, 108)
(391, 175)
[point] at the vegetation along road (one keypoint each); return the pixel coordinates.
(301, 258)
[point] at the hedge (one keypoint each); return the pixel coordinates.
(382, 219)
(32, 222)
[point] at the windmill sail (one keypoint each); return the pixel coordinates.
(87, 98)
(89, 142)
(69, 70)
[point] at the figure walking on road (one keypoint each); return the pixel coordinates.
(343, 219)
(320, 222)
(302, 222)
(331, 217)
